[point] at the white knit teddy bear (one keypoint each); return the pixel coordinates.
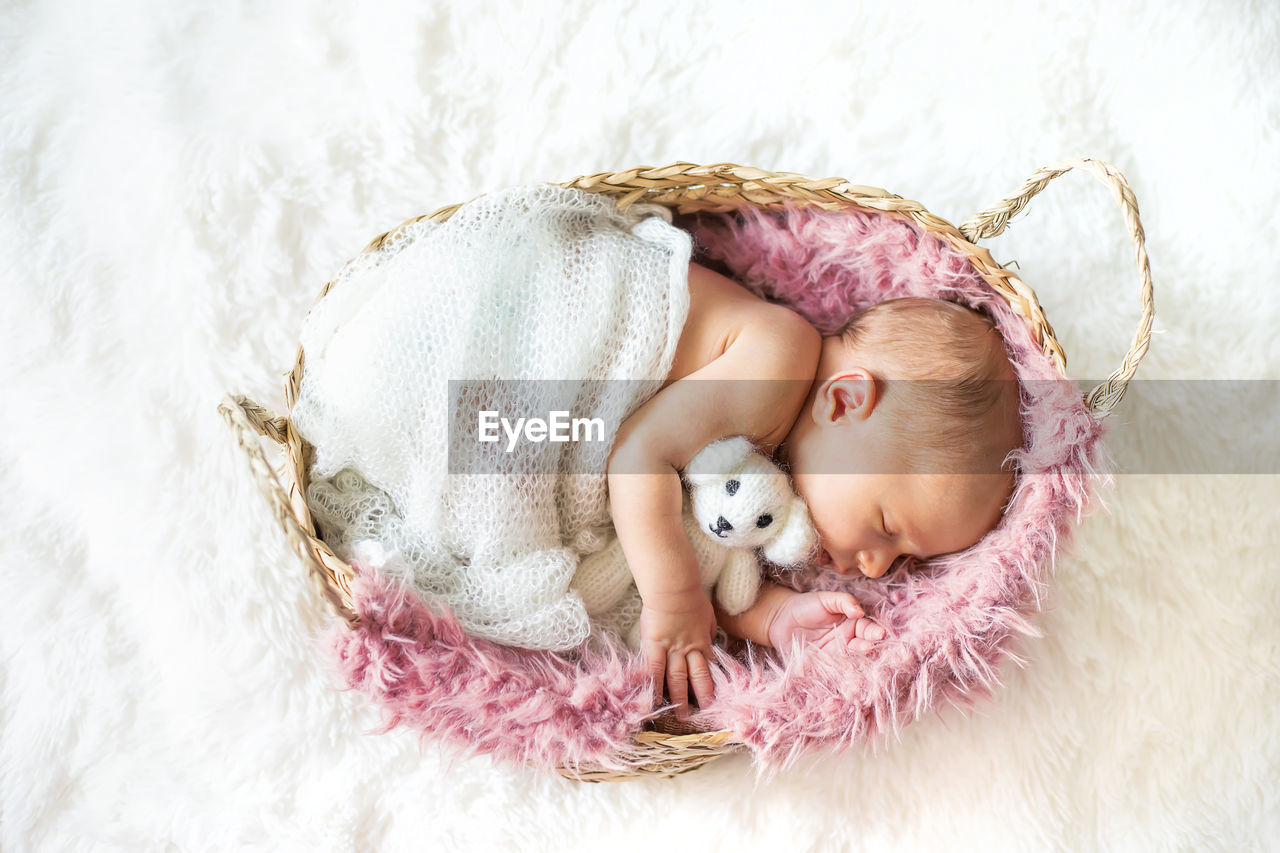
(738, 501)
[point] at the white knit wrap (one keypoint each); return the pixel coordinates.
(535, 282)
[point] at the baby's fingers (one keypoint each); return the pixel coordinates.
(867, 630)
(839, 635)
(700, 676)
(678, 685)
(655, 664)
(841, 602)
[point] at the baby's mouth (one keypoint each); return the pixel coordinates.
(824, 559)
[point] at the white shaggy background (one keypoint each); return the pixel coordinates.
(178, 180)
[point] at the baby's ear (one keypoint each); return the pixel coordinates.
(796, 541)
(717, 460)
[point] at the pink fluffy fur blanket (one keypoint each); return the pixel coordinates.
(952, 622)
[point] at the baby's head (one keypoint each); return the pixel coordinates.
(902, 446)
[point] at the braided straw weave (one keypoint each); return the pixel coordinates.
(687, 188)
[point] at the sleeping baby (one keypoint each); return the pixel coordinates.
(895, 432)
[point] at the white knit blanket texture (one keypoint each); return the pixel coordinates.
(556, 293)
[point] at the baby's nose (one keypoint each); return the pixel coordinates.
(873, 564)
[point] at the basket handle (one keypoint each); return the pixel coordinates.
(248, 420)
(258, 417)
(995, 219)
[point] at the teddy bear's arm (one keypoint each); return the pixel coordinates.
(739, 582)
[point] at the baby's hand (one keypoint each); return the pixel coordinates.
(675, 640)
(824, 618)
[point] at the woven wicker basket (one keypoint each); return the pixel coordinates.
(671, 747)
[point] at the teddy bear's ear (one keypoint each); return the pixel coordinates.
(717, 460)
(796, 541)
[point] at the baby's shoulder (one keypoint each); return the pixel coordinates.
(760, 358)
(768, 340)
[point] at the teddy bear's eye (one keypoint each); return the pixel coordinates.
(764, 520)
(732, 487)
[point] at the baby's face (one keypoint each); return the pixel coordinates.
(868, 506)
(866, 521)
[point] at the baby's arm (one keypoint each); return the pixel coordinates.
(783, 616)
(677, 622)
(728, 336)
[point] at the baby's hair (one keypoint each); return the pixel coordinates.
(943, 371)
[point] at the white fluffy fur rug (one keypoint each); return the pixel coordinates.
(176, 184)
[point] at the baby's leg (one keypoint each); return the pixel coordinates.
(522, 602)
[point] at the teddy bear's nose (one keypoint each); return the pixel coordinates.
(722, 524)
